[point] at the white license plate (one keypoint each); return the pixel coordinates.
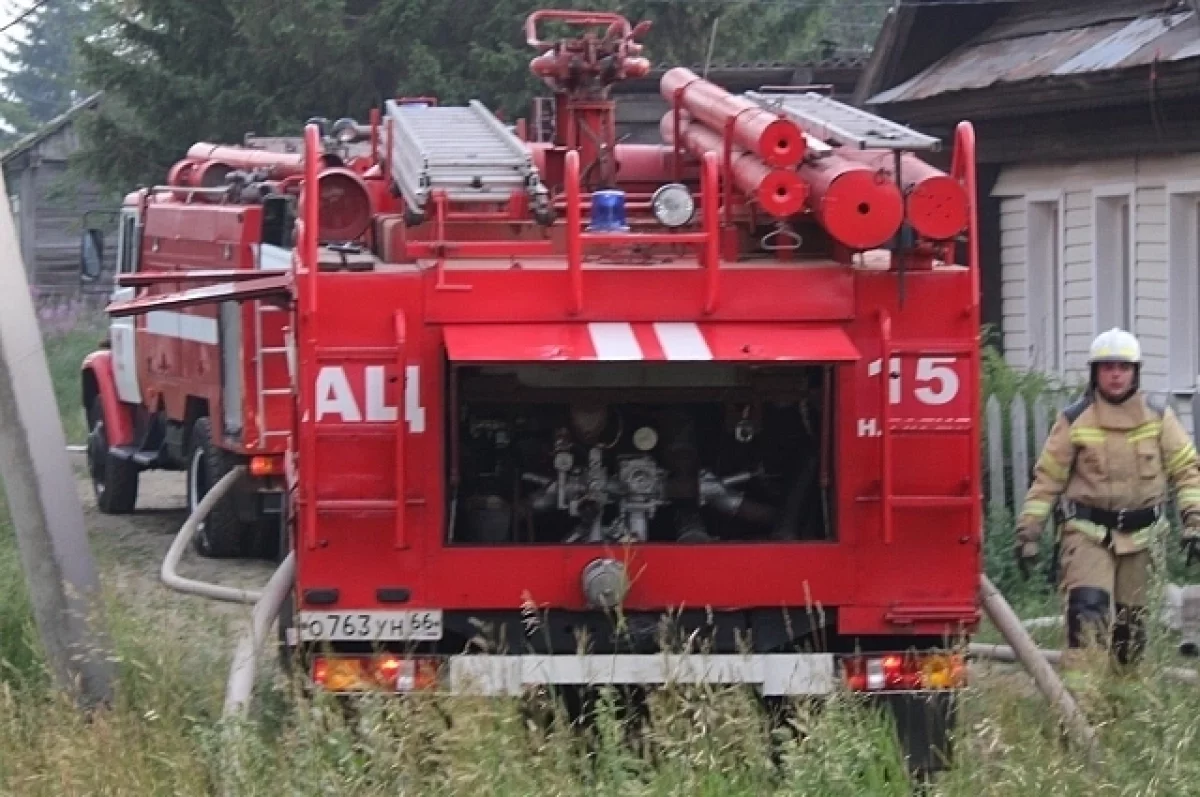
(418, 625)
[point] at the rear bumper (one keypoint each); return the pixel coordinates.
(773, 674)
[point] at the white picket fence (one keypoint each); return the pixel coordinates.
(1010, 453)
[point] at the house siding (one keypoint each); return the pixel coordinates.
(1148, 180)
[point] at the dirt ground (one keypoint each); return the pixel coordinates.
(130, 550)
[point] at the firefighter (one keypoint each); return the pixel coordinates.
(1108, 463)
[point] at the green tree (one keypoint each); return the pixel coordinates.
(43, 80)
(178, 71)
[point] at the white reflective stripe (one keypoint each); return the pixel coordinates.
(270, 257)
(774, 674)
(614, 341)
(682, 341)
(182, 326)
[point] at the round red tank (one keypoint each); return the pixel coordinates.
(779, 192)
(345, 212)
(281, 164)
(935, 202)
(210, 174)
(777, 140)
(181, 172)
(857, 205)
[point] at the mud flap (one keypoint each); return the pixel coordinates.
(925, 722)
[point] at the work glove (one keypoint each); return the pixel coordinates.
(1026, 552)
(1190, 537)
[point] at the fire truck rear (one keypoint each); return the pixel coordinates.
(560, 390)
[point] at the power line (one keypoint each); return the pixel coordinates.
(22, 16)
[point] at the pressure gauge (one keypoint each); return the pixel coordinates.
(645, 438)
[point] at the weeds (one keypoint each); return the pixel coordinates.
(164, 734)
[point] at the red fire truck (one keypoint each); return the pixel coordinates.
(733, 378)
(168, 391)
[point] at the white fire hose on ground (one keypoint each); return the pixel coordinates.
(187, 531)
(245, 657)
(267, 602)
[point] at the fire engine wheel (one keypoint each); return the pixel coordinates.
(221, 535)
(114, 480)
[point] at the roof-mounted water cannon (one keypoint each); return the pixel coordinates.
(581, 71)
(587, 66)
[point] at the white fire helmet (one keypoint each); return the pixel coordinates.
(1115, 346)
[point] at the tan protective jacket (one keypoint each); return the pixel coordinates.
(1113, 457)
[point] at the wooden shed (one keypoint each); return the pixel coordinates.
(49, 202)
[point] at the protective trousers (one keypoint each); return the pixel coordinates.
(1105, 598)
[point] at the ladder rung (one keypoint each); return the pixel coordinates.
(377, 429)
(274, 350)
(355, 505)
(277, 391)
(930, 501)
(356, 353)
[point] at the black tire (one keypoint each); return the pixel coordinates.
(265, 538)
(220, 535)
(114, 480)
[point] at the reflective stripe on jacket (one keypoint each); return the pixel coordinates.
(1114, 457)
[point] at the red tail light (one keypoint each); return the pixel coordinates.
(388, 671)
(892, 672)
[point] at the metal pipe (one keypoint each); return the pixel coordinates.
(775, 138)
(240, 685)
(779, 192)
(709, 189)
(574, 234)
(280, 164)
(935, 203)
(188, 530)
(858, 206)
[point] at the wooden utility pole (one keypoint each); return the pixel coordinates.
(42, 494)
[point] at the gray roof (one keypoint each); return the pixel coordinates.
(50, 128)
(1044, 41)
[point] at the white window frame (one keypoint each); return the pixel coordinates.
(1183, 286)
(1058, 356)
(1126, 191)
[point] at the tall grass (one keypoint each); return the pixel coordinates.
(163, 734)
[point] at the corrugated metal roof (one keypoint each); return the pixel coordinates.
(1113, 44)
(1109, 52)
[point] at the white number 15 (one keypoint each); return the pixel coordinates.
(931, 371)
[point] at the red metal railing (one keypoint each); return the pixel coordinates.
(962, 168)
(306, 282)
(401, 538)
(708, 240)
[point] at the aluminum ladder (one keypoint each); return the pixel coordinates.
(829, 120)
(464, 151)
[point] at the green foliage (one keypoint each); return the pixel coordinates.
(43, 78)
(178, 71)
